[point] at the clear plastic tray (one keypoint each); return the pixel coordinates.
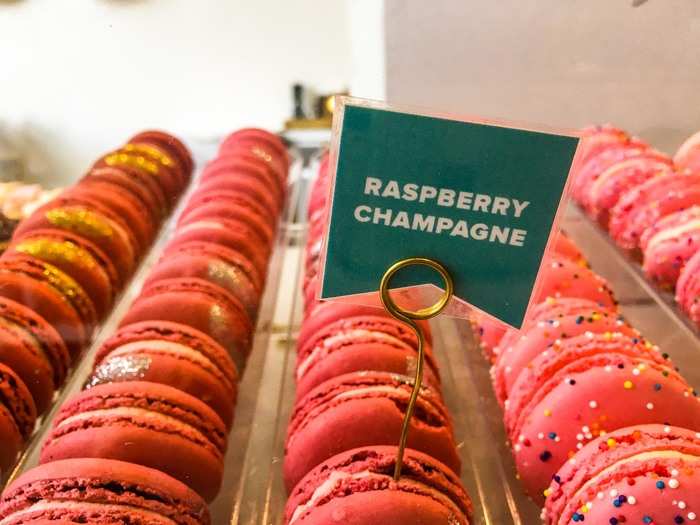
(253, 491)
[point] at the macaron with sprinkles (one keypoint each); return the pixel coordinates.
(640, 474)
(688, 155)
(561, 277)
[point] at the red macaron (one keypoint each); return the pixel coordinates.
(357, 488)
(166, 429)
(217, 264)
(216, 203)
(259, 142)
(78, 258)
(17, 417)
(203, 306)
(241, 168)
(34, 350)
(172, 354)
(249, 185)
(100, 491)
(168, 142)
(361, 409)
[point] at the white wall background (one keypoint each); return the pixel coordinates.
(558, 62)
(81, 76)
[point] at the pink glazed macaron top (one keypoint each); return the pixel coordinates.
(357, 487)
(688, 288)
(688, 155)
(643, 474)
(669, 244)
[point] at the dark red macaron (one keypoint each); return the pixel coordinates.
(77, 257)
(172, 354)
(201, 305)
(233, 234)
(231, 211)
(247, 185)
(34, 350)
(170, 143)
(163, 158)
(358, 487)
(100, 491)
(89, 218)
(220, 200)
(361, 409)
(17, 416)
(122, 202)
(217, 264)
(143, 187)
(360, 343)
(52, 294)
(166, 429)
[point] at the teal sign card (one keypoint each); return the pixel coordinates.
(480, 198)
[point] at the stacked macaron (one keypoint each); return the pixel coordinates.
(354, 376)
(163, 388)
(63, 269)
(649, 203)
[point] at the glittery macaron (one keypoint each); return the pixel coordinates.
(361, 409)
(52, 294)
(357, 487)
(361, 343)
(78, 258)
(201, 305)
(170, 143)
(259, 142)
(688, 288)
(643, 206)
(17, 417)
(100, 491)
(590, 387)
(34, 350)
(641, 474)
(688, 155)
(166, 429)
(172, 354)
(669, 244)
(170, 165)
(217, 264)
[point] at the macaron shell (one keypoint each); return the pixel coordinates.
(172, 354)
(201, 305)
(251, 186)
(171, 143)
(105, 482)
(236, 167)
(564, 278)
(362, 409)
(569, 487)
(688, 155)
(688, 288)
(167, 430)
(256, 139)
(276, 169)
(164, 159)
(567, 412)
(221, 199)
(17, 416)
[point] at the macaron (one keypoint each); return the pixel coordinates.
(239, 183)
(669, 244)
(52, 294)
(201, 305)
(642, 207)
(165, 428)
(688, 155)
(488, 332)
(91, 219)
(78, 258)
(561, 277)
(590, 387)
(357, 487)
(168, 142)
(172, 354)
(361, 343)
(563, 246)
(166, 161)
(607, 188)
(547, 335)
(595, 139)
(361, 409)
(140, 185)
(217, 264)
(230, 233)
(100, 491)
(216, 205)
(638, 474)
(688, 288)
(17, 417)
(122, 202)
(259, 142)
(240, 168)
(34, 350)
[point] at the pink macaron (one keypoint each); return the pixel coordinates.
(688, 155)
(562, 277)
(688, 288)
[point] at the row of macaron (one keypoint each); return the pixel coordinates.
(354, 376)
(575, 383)
(162, 393)
(649, 203)
(66, 264)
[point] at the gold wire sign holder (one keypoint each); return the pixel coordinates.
(410, 318)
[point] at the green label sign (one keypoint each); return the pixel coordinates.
(480, 198)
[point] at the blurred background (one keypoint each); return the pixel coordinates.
(77, 77)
